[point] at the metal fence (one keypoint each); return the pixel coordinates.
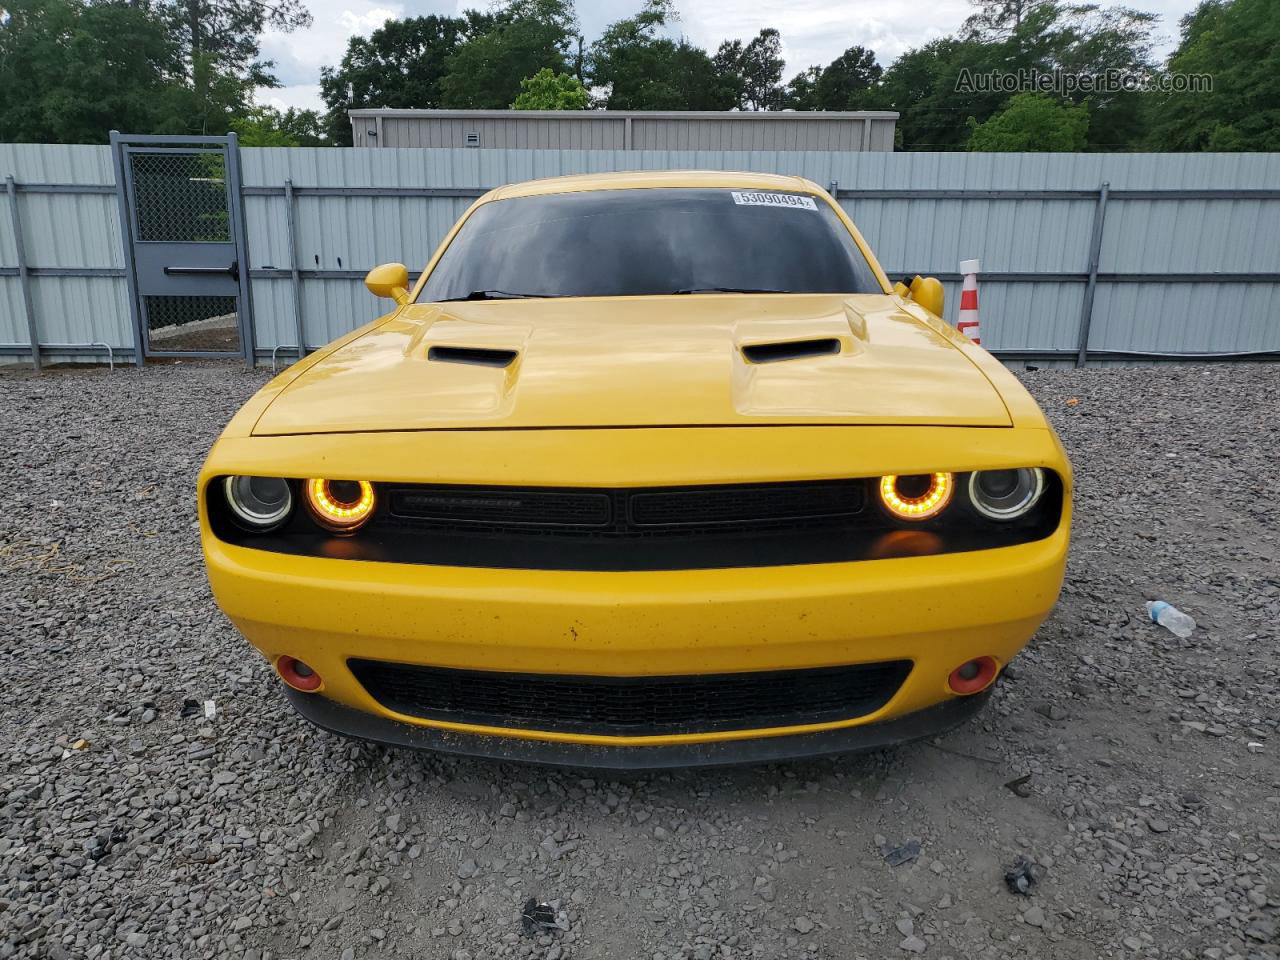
(1085, 256)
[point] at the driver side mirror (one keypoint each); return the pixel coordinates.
(926, 291)
(389, 280)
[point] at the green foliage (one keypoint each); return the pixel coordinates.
(1237, 43)
(801, 91)
(848, 81)
(71, 72)
(644, 71)
(921, 85)
(401, 64)
(1032, 122)
(268, 127)
(527, 35)
(547, 90)
(995, 19)
(753, 72)
(219, 44)
(1008, 37)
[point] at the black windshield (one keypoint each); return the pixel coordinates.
(628, 243)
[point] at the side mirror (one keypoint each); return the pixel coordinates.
(390, 280)
(928, 292)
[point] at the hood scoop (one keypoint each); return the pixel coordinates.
(790, 350)
(480, 356)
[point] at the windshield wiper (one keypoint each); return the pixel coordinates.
(494, 295)
(727, 290)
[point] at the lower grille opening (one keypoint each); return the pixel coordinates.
(632, 706)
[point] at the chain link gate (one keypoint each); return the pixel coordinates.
(186, 251)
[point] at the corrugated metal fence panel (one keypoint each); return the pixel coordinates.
(925, 235)
(13, 325)
(56, 163)
(65, 230)
(909, 235)
(81, 310)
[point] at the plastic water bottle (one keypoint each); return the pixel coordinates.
(1170, 617)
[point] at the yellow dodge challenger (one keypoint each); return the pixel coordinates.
(649, 469)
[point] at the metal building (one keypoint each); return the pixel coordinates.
(854, 131)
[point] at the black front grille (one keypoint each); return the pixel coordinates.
(722, 509)
(632, 706)
(511, 507)
(746, 504)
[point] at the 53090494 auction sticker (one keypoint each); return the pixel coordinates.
(753, 198)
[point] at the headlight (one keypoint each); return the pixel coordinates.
(340, 505)
(258, 503)
(918, 496)
(1006, 494)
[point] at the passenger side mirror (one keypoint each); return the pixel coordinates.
(928, 292)
(390, 280)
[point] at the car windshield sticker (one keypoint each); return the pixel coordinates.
(753, 198)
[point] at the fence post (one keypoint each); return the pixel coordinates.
(118, 160)
(1095, 252)
(295, 276)
(240, 234)
(24, 275)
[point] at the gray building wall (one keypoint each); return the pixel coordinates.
(623, 130)
(1158, 288)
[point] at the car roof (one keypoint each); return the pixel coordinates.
(647, 179)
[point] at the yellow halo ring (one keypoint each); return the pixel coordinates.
(337, 514)
(929, 504)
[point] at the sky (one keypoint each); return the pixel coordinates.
(813, 31)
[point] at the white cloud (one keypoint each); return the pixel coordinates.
(813, 31)
(303, 96)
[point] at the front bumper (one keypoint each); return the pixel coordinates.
(335, 717)
(936, 611)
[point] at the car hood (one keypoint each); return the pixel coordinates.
(642, 361)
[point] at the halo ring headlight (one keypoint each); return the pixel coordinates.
(258, 504)
(342, 506)
(1006, 494)
(918, 496)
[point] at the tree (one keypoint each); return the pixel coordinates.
(727, 63)
(801, 92)
(1090, 41)
(70, 72)
(995, 19)
(753, 71)
(219, 39)
(845, 83)
(401, 64)
(640, 70)
(1237, 43)
(931, 87)
(547, 90)
(762, 69)
(485, 72)
(268, 127)
(1032, 122)
(694, 83)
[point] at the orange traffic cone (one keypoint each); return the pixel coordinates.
(968, 320)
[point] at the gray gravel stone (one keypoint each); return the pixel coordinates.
(253, 836)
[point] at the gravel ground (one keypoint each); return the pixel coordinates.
(1152, 804)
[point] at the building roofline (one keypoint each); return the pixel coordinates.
(757, 115)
